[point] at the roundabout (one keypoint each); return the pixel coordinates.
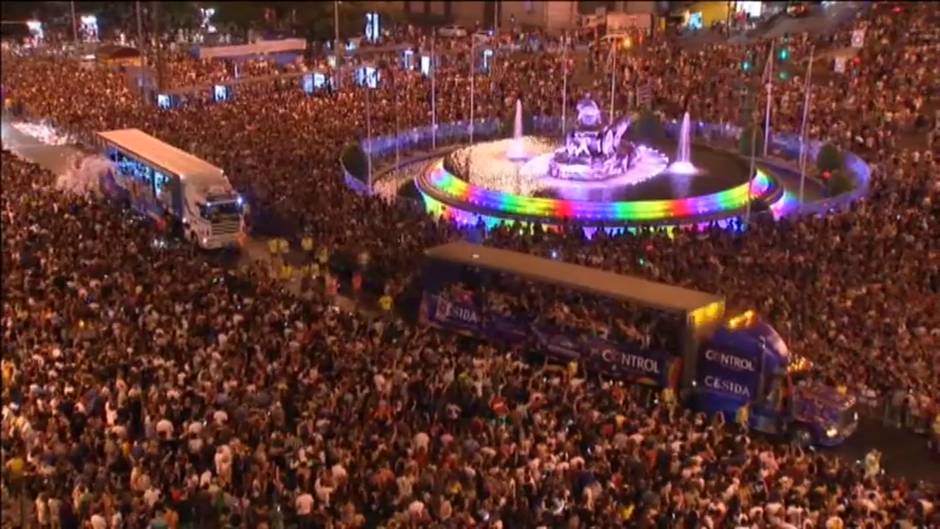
(596, 177)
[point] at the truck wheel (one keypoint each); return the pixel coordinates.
(801, 437)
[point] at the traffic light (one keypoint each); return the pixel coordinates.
(748, 63)
(784, 54)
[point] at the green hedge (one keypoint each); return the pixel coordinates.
(839, 183)
(829, 158)
(355, 160)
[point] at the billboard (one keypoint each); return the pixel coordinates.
(373, 29)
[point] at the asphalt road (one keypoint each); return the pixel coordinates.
(904, 453)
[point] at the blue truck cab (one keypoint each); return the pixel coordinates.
(745, 363)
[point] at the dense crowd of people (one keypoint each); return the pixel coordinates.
(143, 386)
(578, 315)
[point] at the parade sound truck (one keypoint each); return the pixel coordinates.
(174, 187)
(722, 365)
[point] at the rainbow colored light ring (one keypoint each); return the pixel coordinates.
(439, 184)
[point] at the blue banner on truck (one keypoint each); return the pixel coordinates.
(649, 367)
(455, 312)
(730, 374)
(458, 312)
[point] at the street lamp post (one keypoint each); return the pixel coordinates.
(613, 77)
(768, 74)
(496, 18)
(159, 51)
(804, 126)
(140, 29)
(336, 46)
(770, 87)
(369, 136)
(472, 83)
(74, 22)
(564, 87)
(397, 115)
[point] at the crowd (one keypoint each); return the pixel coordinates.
(184, 70)
(145, 386)
(575, 314)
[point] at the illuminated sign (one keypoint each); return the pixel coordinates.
(220, 93)
(425, 65)
(88, 28)
(373, 30)
(487, 60)
(207, 14)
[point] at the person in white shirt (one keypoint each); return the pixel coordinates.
(223, 463)
(42, 510)
(152, 496)
(54, 505)
(304, 504)
(164, 429)
(98, 522)
(324, 487)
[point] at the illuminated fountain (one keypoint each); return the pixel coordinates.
(517, 150)
(683, 163)
(595, 160)
(594, 176)
(592, 151)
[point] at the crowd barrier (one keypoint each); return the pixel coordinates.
(382, 146)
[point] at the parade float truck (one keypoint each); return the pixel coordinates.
(744, 362)
(179, 191)
(724, 364)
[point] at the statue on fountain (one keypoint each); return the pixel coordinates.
(593, 151)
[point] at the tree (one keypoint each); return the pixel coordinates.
(354, 159)
(829, 158)
(744, 142)
(839, 183)
(240, 14)
(647, 128)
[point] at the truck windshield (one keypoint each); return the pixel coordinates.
(219, 210)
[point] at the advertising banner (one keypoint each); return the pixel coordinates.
(858, 38)
(456, 313)
(839, 65)
(611, 359)
(736, 375)
(635, 365)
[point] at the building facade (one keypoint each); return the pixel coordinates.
(550, 16)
